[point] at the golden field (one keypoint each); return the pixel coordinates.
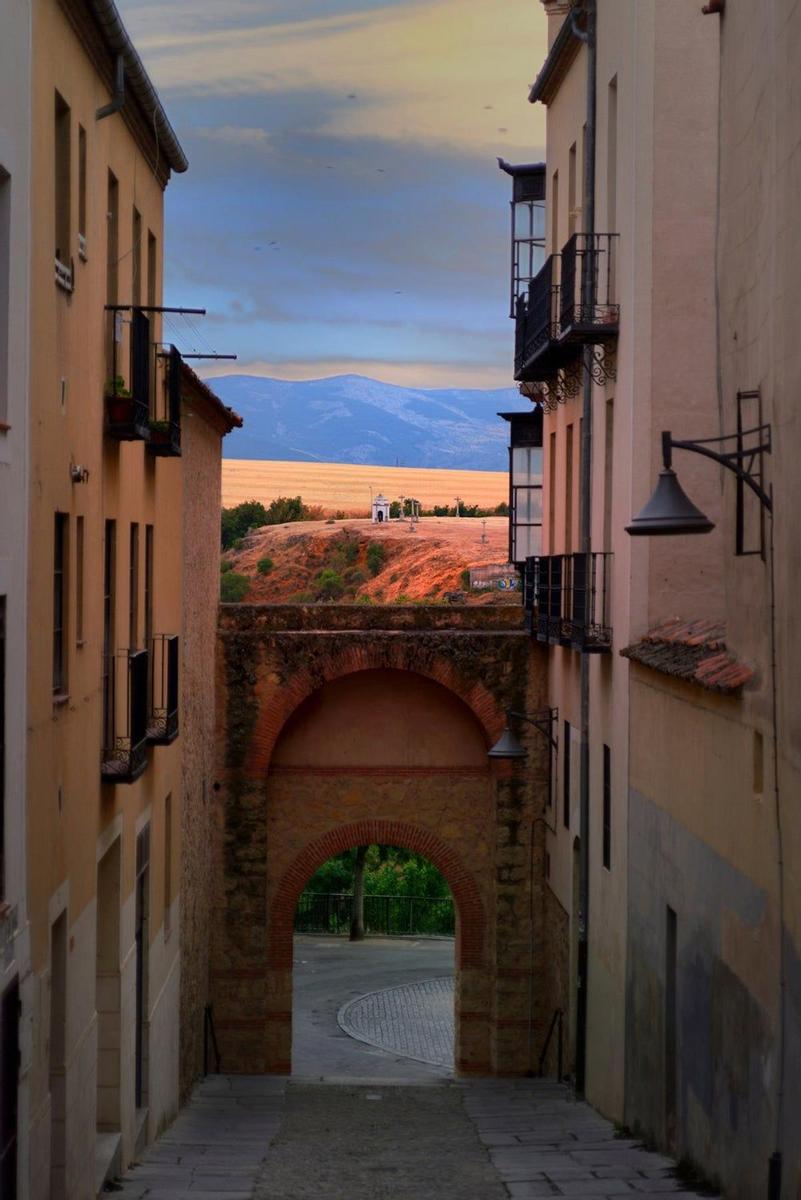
(346, 487)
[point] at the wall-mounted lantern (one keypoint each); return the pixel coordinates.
(525, 484)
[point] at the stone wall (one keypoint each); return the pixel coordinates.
(292, 791)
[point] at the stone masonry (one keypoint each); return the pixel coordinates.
(293, 789)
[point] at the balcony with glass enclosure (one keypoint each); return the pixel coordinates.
(525, 484)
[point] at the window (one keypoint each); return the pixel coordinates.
(136, 258)
(148, 587)
(60, 528)
(609, 464)
(2, 744)
(571, 192)
(607, 831)
(79, 581)
(167, 862)
(526, 516)
(566, 779)
(611, 157)
(569, 491)
(62, 182)
(109, 566)
(133, 588)
(552, 495)
(112, 239)
(152, 267)
(82, 191)
(759, 764)
(5, 281)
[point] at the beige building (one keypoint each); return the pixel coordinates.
(105, 610)
(205, 420)
(682, 829)
(15, 980)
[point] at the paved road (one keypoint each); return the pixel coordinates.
(330, 973)
(411, 1133)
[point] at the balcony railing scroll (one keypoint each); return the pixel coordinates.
(588, 312)
(162, 725)
(568, 600)
(125, 716)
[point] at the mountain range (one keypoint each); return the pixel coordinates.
(353, 419)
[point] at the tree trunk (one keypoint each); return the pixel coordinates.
(357, 912)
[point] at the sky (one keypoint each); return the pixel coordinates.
(343, 210)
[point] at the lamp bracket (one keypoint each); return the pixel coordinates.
(544, 721)
(740, 460)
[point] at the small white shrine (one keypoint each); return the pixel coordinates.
(380, 509)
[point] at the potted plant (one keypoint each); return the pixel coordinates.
(163, 437)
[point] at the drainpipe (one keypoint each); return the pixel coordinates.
(589, 37)
(118, 99)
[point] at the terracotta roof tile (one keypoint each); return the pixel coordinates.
(694, 651)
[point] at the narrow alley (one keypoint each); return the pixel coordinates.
(364, 1123)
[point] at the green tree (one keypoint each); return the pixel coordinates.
(236, 521)
(376, 556)
(233, 587)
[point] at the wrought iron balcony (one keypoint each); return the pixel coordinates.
(125, 716)
(587, 311)
(162, 727)
(567, 597)
(165, 425)
(128, 408)
(539, 355)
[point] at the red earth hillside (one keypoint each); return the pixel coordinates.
(354, 560)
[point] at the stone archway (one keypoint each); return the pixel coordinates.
(295, 787)
(470, 952)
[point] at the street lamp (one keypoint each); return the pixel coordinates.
(508, 746)
(670, 510)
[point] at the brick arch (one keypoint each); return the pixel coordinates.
(276, 708)
(470, 944)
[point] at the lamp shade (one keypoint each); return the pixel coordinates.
(507, 746)
(669, 511)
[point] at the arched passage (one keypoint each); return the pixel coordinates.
(355, 760)
(470, 930)
(335, 724)
(469, 958)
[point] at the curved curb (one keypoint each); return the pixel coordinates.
(357, 1035)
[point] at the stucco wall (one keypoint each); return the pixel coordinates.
(201, 450)
(15, 134)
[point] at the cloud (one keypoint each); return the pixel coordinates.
(405, 374)
(422, 71)
(234, 135)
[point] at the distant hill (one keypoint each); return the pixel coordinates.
(352, 419)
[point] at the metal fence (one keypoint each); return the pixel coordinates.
(324, 912)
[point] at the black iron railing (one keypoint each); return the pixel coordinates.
(162, 726)
(567, 597)
(165, 423)
(125, 716)
(128, 401)
(319, 912)
(588, 312)
(536, 318)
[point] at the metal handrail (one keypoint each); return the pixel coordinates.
(209, 1034)
(556, 1021)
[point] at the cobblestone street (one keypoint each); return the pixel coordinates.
(428, 1137)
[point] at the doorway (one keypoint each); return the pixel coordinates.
(57, 1059)
(107, 991)
(142, 944)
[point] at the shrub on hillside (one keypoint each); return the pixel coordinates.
(233, 587)
(225, 565)
(264, 566)
(329, 584)
(376, 556)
